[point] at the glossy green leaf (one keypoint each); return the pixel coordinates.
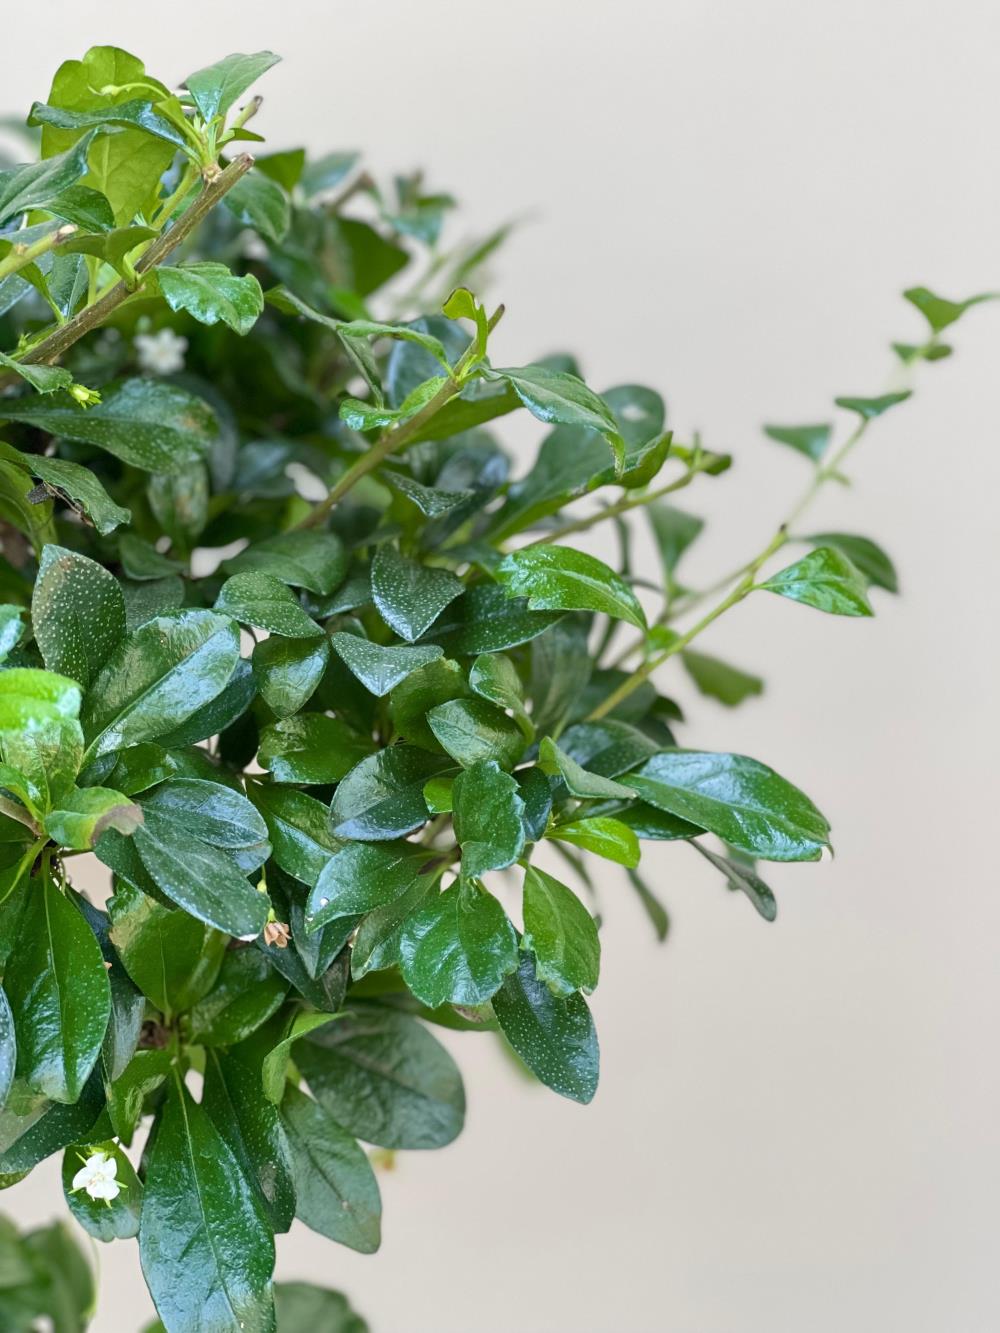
(869, 408)
(146, 423)
(210, 293)
(809, 440)
(741, 800)
(77, 613)
(311, 748)
(171, 957)
(579, 781)
(135, 114)
(337, 1194)
(260, 599)
(561, 933)
(37, 184)
(249, 1124)
(81, 489)
(457, 947)
(245, 994)
(382, 797)
(424, 689)
(8, 1047)
(216, 814)
(43, 379)
(316, 561)
(719, 680)
(608, 748)
(382, 1076)
(215, 88)
(554, 1037)
(376, 944)
(409, 596)
(472, 730)
(379, 668)
(287, 671)
(58, 991)
(86, 812)
(28, 696)
(107, 1220)
(557, 397)
(825, 579)
(198, 877)
(163, 672)
(560, 578)
(260, 203)
(202, 1218)
(866, 556)
(11, 628)
(299, 828)
(494, 677)
(602, 835)
(488, 817)
(127, 1093)
(486, 620)
(363, 876)
(742, 877)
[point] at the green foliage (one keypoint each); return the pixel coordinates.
(320, 743)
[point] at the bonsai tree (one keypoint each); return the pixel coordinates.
(294, 648)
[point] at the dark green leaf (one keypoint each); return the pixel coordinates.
(135, 114)
(740, 876)
(260, 203)
(304, 1307)
(151, 425)
(316, 561)
(382, 797)
(245, 995)
(385, 1078)
(337, 1194)
(115, 1219)
(287, 671)
(865, 555)
(409, 596)
(719, 680)
(311, 748)
(58, 991)
(457, 947)
(825, 579)
(744, 802)
(869, 408)
(77, 613)
(472, 730)
(166, 670)
(36, 184)
(554, 1037)
(203, 1220)
(579, 781)
(261, 599)
(938, 310)
(489, 818)
(362, 876)
(486, 620)
(378, 668)
(299, 829)
(674, 531)
(82, 489)
(558, 397)
(494, 677)
(561, 933)
(413, 698)
(809, 440)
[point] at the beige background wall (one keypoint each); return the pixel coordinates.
(797, 1127)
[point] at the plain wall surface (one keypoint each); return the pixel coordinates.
(798, 1125)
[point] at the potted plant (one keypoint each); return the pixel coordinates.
(325, 682)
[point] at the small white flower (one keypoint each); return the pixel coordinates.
(161, 353)
(97, 1177)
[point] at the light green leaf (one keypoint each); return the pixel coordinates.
(579, 781)
(602, 835)
(869, 408)
(215, 88)
(561, 933)
(744, 802)
(494, 677)
(559, 578)
(209, 292)
(260, 203)
(825, 579)
(84, 814)
(865, 555)
(938, 310)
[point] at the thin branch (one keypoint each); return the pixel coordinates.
(53, 347)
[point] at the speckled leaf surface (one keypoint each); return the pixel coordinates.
(554, 1037)
(381, 668)
(410, 596)
(561, 933)
(457, 947)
